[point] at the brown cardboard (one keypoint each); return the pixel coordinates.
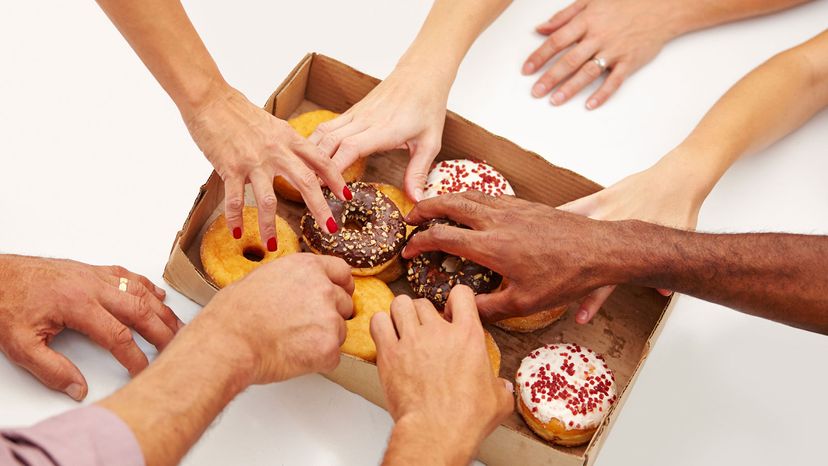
(623, 331)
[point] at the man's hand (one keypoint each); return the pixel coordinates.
(40, 297)
(548, 257)
(246, 144)
(437, 380)
(407, 110)
(287, 318)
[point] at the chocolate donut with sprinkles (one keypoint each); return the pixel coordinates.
(433, 274)
(372, 231)
(563, 392)
(457, 176)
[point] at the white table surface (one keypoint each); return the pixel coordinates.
(97, 166)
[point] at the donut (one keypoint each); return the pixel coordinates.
(305, 124)
(226, 259)
(371, 230)
(433, 274)
(457, 176)
(371, 296)
(397, 268)
(532, 322)
(494, 353)
(563, 392)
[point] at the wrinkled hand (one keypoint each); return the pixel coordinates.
(40, 297)
(407, 110)
(287, 318)
(436, 374)
(246, 144)
(626, 34)
(548, 257)
(654, 195)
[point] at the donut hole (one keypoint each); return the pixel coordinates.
(450, 264)
(253, 253)
(355, 222)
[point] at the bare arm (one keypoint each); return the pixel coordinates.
(699, 14)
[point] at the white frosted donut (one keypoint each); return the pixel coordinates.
(457, 176)
(564, 391)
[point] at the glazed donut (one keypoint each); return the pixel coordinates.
(532, 322)
(494, 353)
(371, 233)
(226, 259)
(563, 392)
(370, 297)
(433, 274)
(457, 176)
(305, 124)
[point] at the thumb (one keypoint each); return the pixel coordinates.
(505, 398)
(53, 369)
(422, 154)
(592, 303)
(495, 306)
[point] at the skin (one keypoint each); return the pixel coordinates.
(551, 257)
(256, 337)
(627, 35)
(408, 109)
(773, 100)
(244, 143)
(42, 297)
(437, 380)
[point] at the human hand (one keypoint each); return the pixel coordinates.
(40, 297)
(546, 256)
(655, 196)
(627, 35)
(436, 375)
(246, 144)
(407, 110)
(285, 319)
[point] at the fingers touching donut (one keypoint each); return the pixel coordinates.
(234, 205)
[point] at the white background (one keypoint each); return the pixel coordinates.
(97, 166)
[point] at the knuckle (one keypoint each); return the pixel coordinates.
(308, 180)
(144, 310)
(235, 204)
(572, 61)
(328, 141)
(592, 70)
(268, 202)
(121, 337)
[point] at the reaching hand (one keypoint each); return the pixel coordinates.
(246, 144)
(407, 110)
(436, 375)
(285, 319)
(625, 34)
(41, 297)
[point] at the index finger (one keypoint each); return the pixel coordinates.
(456, 241)
(469, 208)
(338, 271)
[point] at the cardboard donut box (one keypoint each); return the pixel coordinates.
(623, 331)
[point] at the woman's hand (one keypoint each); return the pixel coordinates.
(40, 297)
(625, 34)
(669, 194)
(246, 144)
(407, 110)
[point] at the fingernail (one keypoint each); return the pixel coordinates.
(271, 244)
(332, 226)
(558, 98)
(582, 316)
(539, 90)
(75, 391)
(418, 195)
(591, 104)
(509, 385)
(347, 193)
(160, 291)
(237, 232)
(528, 68)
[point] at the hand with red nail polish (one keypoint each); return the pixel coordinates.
(41, 297)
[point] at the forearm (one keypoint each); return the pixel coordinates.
(693, 15)
(171, 403)
(415, 441)
(449, 31)
(770, 102)
(777, 276)
(164, 38)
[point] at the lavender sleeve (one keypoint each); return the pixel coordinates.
(84, 437)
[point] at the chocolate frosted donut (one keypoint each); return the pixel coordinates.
(433, 274)
(371, 233)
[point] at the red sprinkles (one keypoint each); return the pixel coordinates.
(456, 176)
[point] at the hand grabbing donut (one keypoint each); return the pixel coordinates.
(437, 380)
(41, 297)
(284, 319)
(246, 144)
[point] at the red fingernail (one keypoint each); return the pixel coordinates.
(237, 232)
(271, 244)
(347, 193)
(332, 226)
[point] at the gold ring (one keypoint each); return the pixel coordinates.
(123, 284)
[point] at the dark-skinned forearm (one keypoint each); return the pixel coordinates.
(777, 276)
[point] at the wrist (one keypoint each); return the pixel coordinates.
(444, 443)
(693, 170)
(202, 96)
